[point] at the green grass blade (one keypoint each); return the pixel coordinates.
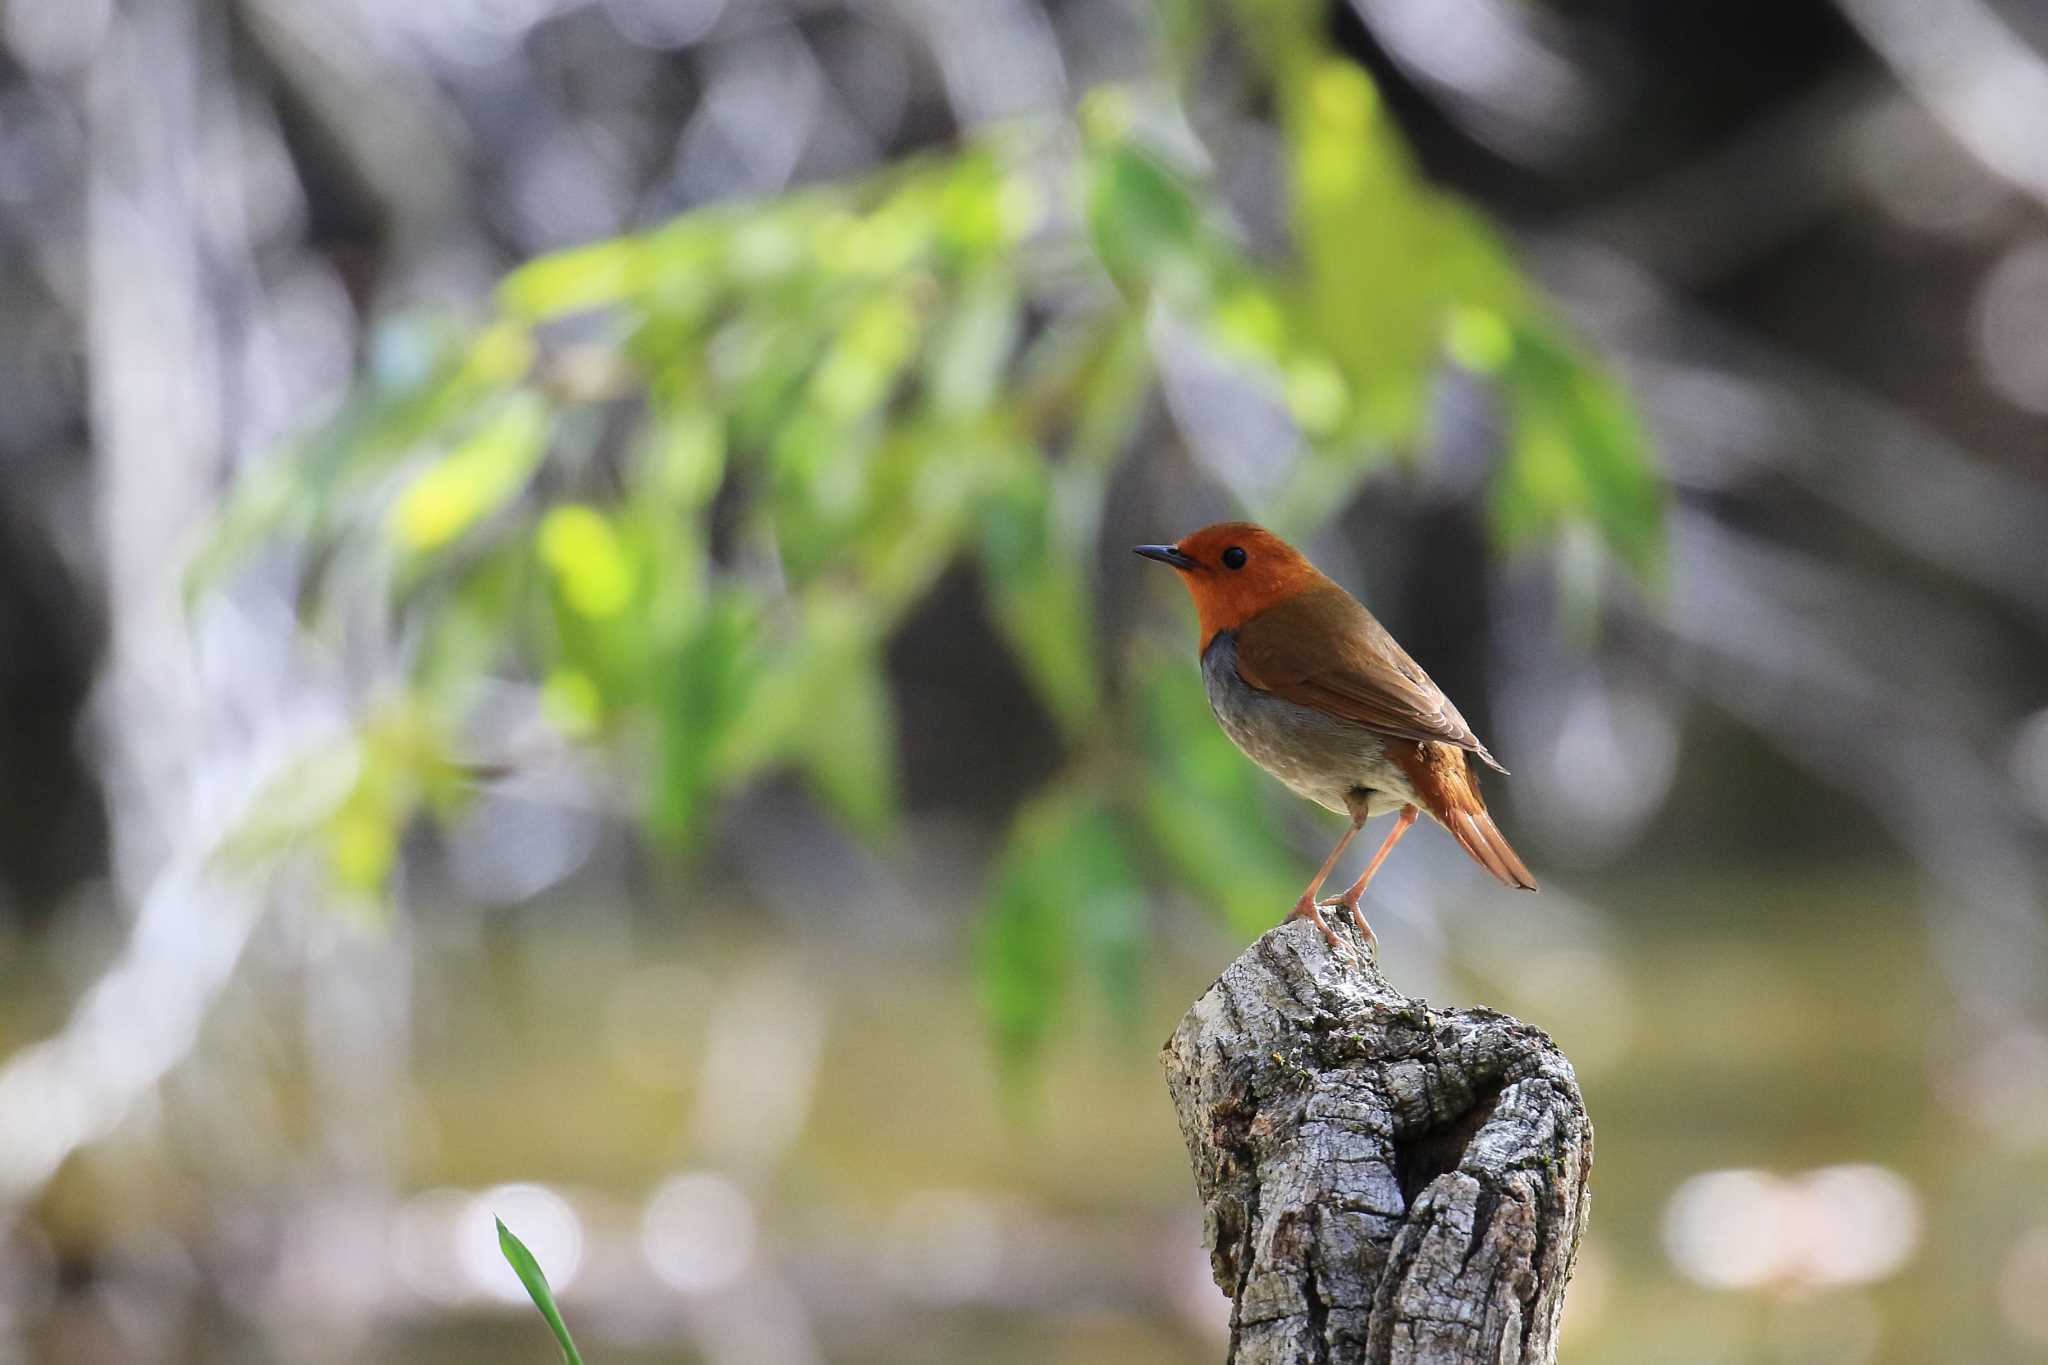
(529, 1273)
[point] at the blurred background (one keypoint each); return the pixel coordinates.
(568, 650)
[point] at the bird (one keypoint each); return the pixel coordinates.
(1312, 688)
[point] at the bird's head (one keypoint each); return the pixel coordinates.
(1234, 570)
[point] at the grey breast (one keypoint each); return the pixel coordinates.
(1317, 756)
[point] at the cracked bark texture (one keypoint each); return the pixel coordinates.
(1382, 1181)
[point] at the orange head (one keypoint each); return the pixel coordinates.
(1234, 570)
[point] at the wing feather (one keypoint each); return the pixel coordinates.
(1355, 671)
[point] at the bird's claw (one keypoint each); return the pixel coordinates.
(1311, 910)
(1350, 906)
(1308, 908)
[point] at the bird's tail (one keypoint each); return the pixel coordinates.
(1442, 779)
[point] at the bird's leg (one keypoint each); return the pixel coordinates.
(1305, 908)
(1356, 891)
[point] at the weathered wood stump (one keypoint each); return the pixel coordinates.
(1382, 1181)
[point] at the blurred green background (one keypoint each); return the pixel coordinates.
(569, 650)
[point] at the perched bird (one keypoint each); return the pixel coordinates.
(1314, 690)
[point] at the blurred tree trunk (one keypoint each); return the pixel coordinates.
(1382, 1182)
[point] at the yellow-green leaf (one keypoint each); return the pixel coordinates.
(483, 471)
(576, 280)
(579, 544)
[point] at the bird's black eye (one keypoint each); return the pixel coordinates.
(1233, 558)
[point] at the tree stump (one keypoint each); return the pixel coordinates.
(1382, 1181)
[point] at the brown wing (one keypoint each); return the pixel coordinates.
(1356, 671)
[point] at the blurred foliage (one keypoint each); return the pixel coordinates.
(685, 483)
(1065, 891)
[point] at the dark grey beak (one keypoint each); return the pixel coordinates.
(1167, 554)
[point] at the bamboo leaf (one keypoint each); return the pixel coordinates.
(1578, 455)
(1039, 591)
(530, 1275)
(481, 473)
(1143, 218)
(1206, 807)
(577, 280)
(1063, 888)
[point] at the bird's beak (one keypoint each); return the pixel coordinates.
(1167, 554)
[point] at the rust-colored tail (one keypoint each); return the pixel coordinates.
(1444, 782)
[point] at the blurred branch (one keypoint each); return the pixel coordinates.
(1382, 1181)
(1945, 505)
(1778, 669)
(1973, 73)
(1712, 216)
(1513, 76)
(194, 714)
(407, 155)
(1818, 656)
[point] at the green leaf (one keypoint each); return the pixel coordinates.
(591, 566)
(972, 349)
(301, 493)
(758, 363)
(1385, 259)
(469, 627)
(267, 507)
(536, 1283)
(684, 457)
(1112, 394)
(1039, 591)
(1578, 454)
(301, 798)
(850, 751)
(969, 209)
(1112, 931)
(862, 366)
(1143, 219)
(1063, 887)
(485, 469)
(577, 280)
(1037, 525)
(401, 765)
(1207, 807)
(707, 682)
(847, 739)
(916, 512)
(361, 838)
(1366, 295)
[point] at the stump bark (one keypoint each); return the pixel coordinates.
(1382, 1181)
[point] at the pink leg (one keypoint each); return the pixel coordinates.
(1305, 908)
(1352, 894)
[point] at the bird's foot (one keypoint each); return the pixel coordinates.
(1349, 903)
(1305, 908)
